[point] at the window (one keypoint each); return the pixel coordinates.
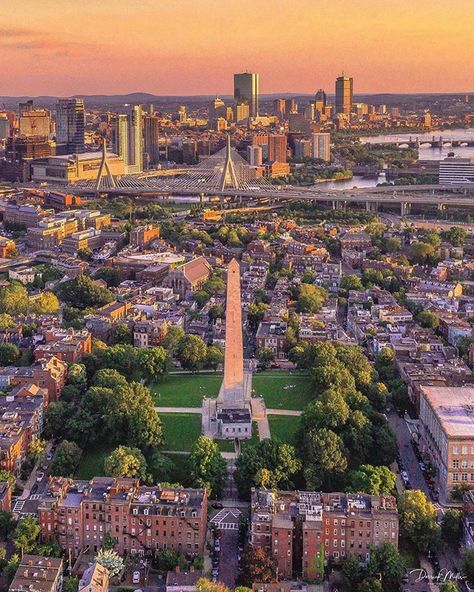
(455, 464)
(455, 477)
(464, 476)
(455, 449)
(464, 450)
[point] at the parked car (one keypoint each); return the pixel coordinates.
(136, 577)
(39, 476)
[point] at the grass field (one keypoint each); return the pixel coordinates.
(283, 427)
(185, 390)
(282, 390)
(92, 462)
(181, 430)
(226, 445)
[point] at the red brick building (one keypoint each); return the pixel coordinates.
(297, 528)
(144, 519)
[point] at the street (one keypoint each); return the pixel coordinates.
(226, 521)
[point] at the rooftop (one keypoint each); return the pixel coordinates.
(454, 407)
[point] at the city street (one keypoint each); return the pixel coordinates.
(407, 454)
(227, 522)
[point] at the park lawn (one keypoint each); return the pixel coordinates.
(92, 462)
(282, 390)
(409, 553)
(181, 430)
(226, 445)
(185, 390)
(284, 427)
(181, 472)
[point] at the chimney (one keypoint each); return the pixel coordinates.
(176, 569)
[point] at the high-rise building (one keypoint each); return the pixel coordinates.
(277, 151)
(279, 108)
(456, 170)
(302, 148)
(309, 112)
(291, 106)
(242, 112)
(135, 140)
(70, 120)
(344, 94)
(246, 90)
(321, 146)
(182, 114)
(320, 101)
(35, 122)
(255, 155)
(217, 110)
(119, 137)
(151, 139)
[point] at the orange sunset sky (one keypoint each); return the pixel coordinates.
(165, 47)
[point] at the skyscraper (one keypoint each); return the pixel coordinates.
(151, 139)
(320, 101)
(246, 91)
(119, 137)
(70, 120)
(321, 146)
(344, 94)
(277, 150)
(135, 140)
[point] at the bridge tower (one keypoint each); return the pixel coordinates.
(104, 170)
(229, 176)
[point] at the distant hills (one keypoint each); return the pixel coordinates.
(143, 97)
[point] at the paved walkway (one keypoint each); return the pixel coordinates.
(197, 410)
(291, 412)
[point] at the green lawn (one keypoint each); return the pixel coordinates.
(283, 427)
(185, 390)
(226, 445)
(282, 390)
(181, 430)
(254, 439)
(92, 462)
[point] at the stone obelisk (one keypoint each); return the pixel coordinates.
(232, 389)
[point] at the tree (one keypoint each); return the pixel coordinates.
(71, 584)
(9, 477)
(26, 534)
(205, 585)
(110, 542)
(255, 314)
(46, 303)
(122, 333)
(351, 572)
(214, 357)
(428, 319)
(420, 252)
(323, 456)
(49, 549)
(14, 299)
(373, 480)
(370, 585)
(350, 282)
(11, 567)
(191, 352)
(172, 338)
(387, 563)
(455, 235)
(9, 354)
(36, 449)
(268, 463)
(468, 565)
(110, 275)
(126, 462)
(265, 356)
(418, 520)
(449, 586)
(81, 292)
(6, 523)
(452, 528)
(161, 467)
(153, 363)
(216, 311)
(6, 321)
(257, 566)
(310, 298)
(111, 560)
(169, 559)
(207, 467)
(66, 460)
(55, 419)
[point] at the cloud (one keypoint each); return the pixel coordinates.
(28, 40)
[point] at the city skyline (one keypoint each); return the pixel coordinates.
(164, 51)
